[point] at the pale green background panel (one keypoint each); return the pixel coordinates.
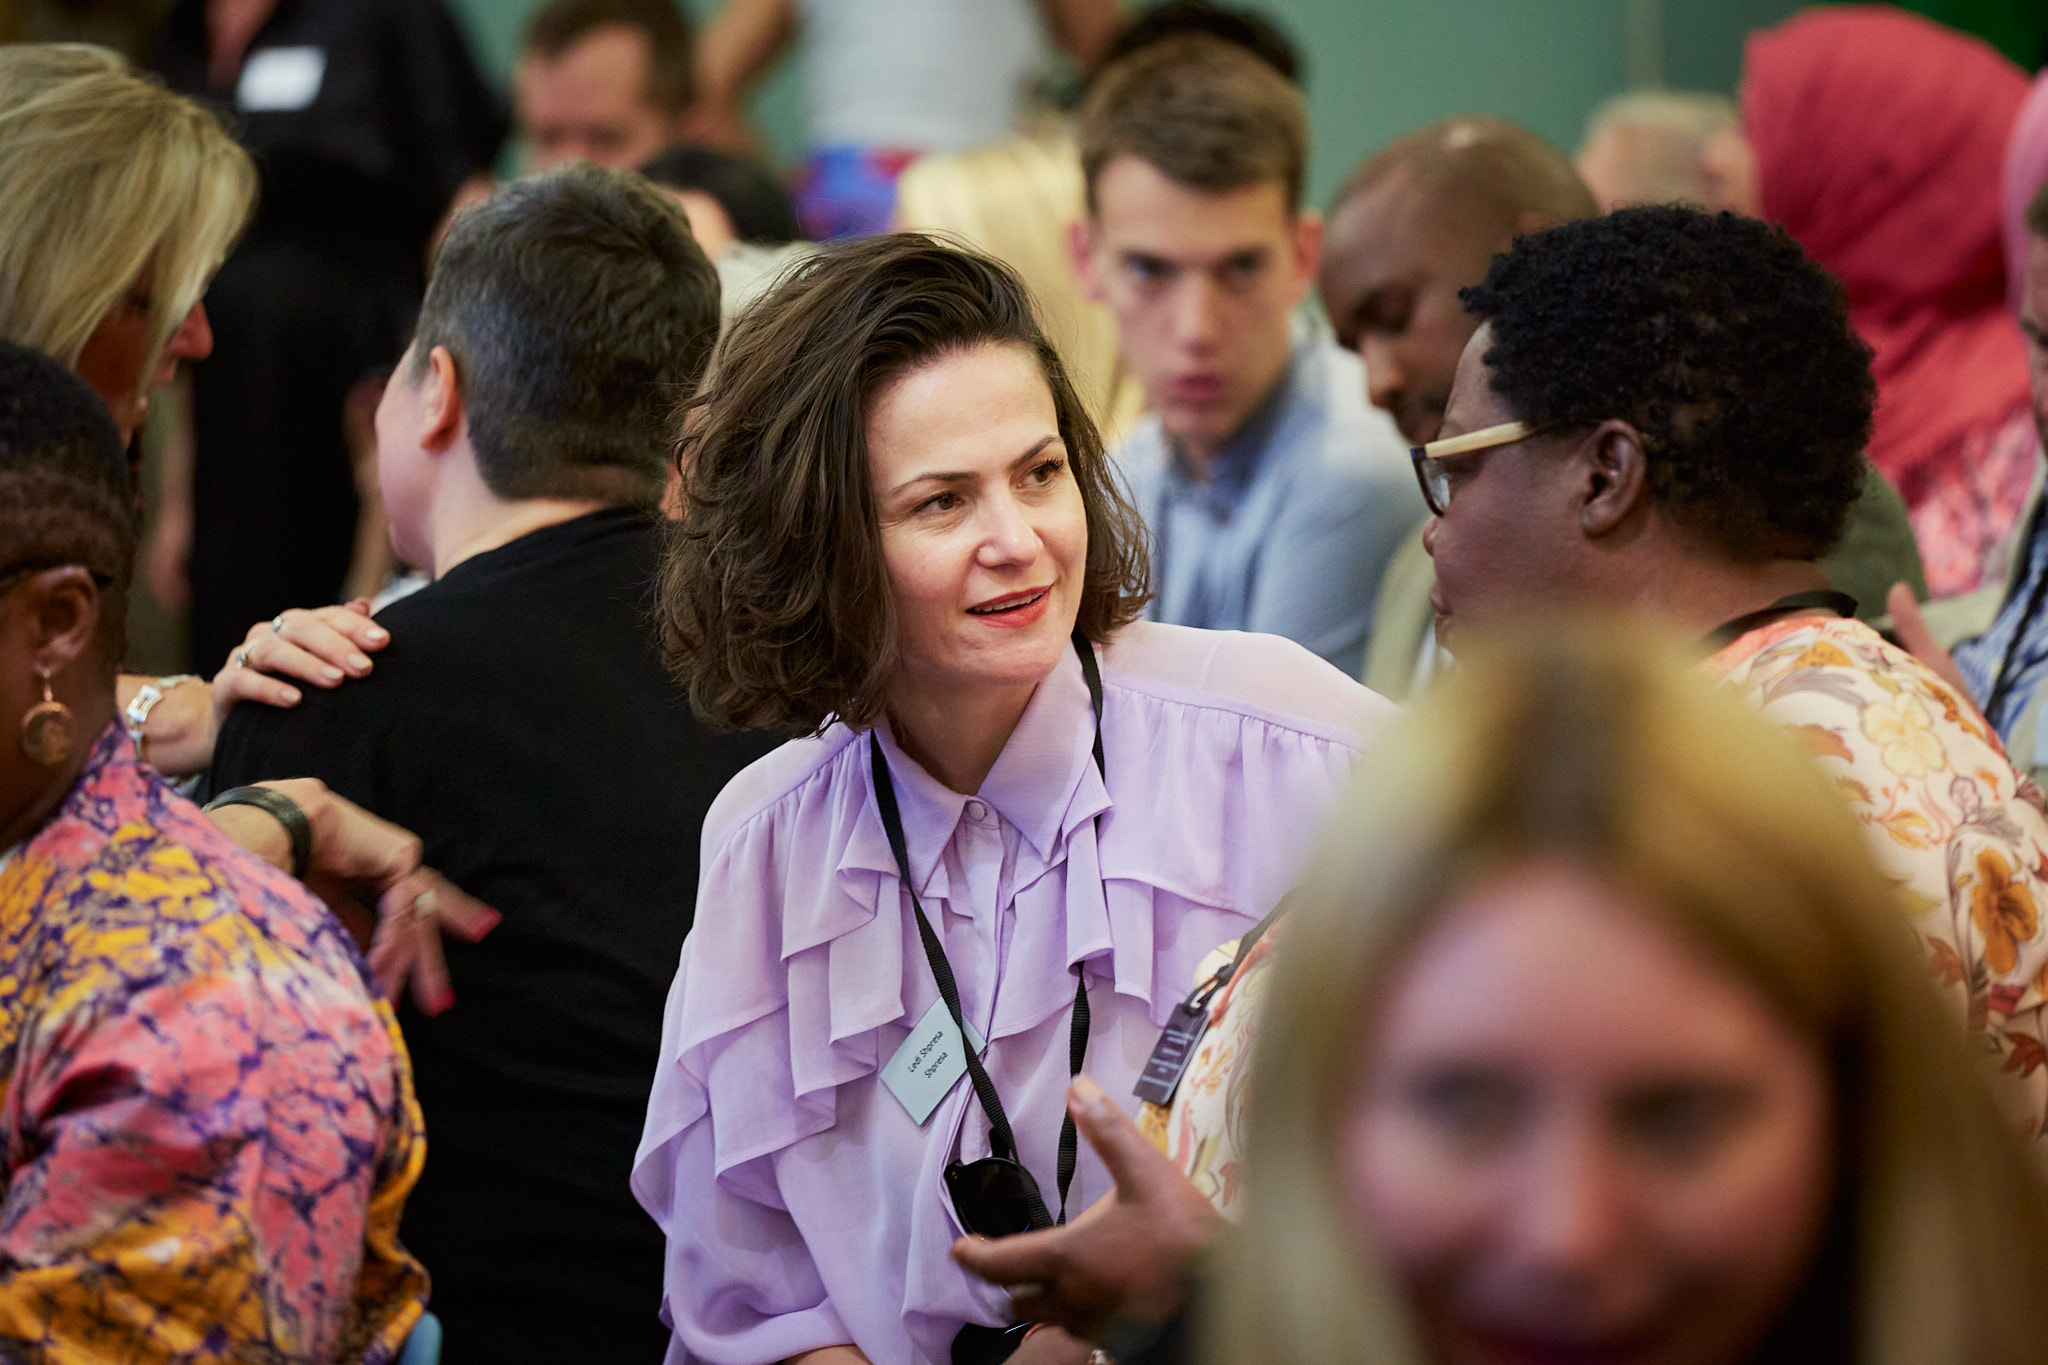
(1380, 67)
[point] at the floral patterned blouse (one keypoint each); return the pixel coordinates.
(1962, 833)
(1202, 1130)
(207, 1123)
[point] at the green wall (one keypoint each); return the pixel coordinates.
(2018, 28)
(1379, 67)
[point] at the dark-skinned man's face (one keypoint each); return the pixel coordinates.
(1390, 277)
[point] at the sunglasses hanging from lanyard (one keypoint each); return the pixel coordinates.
(995, 1196)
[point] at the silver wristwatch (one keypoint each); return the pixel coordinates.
(151, 692)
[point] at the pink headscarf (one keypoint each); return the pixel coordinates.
(1880, 140)
(2026, 170)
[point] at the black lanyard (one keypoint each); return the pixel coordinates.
(1200, 996)
(1728, 632)
(1002, 1142)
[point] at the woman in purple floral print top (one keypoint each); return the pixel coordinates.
(207, 1123)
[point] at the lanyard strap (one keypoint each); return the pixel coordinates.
(1199, 998)
(1728, 632)
(1002, 1141)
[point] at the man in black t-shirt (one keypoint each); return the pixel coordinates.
(521, 723)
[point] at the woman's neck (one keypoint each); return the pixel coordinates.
(956, 734)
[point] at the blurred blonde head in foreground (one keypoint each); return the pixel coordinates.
(1016, 200)
(1596, 1030)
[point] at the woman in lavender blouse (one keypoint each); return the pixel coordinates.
(902, 542)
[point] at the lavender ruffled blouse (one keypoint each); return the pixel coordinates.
(802, 1204)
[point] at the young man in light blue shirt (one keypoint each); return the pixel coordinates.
(1275, 494)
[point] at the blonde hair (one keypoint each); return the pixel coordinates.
(1014, 200)
(105, 174)
(1599, 745)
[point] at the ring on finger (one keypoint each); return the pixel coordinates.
(242, 657)
(277, 624)
(423, 906)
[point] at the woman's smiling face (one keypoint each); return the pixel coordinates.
(984, 533)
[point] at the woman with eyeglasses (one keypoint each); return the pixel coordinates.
(1012, 807)
(207, 1123)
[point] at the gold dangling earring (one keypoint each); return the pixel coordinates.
(46, 728)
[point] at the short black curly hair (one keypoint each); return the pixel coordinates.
(66, 493)
(1718, 339)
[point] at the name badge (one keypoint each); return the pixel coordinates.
(1171, 1055)
(281, 79)
(928, 1064)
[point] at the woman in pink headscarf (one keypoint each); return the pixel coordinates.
(1879, 141)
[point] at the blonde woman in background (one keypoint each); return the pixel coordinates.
(1016, 200)
(118, 202)
(1599, 1036)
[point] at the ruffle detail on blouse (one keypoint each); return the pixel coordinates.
(771, 1013)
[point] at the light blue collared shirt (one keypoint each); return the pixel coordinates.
(1310, 499)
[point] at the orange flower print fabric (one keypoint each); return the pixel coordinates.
(1956, 827)
(1201, 1131)
(207, 1123)
(2003, 910)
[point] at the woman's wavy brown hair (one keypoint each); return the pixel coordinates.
(776, 610)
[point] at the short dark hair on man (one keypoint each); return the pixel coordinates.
(671, 76)
(760, 209)
(579, 311)
(1203, 112)
(1247, 28)
(1718, 339)
(776, 608)
(66, 494)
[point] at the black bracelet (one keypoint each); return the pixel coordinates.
(280, 808)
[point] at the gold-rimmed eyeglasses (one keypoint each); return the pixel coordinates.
(1428, 458)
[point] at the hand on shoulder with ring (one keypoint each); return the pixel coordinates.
(323, 646)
